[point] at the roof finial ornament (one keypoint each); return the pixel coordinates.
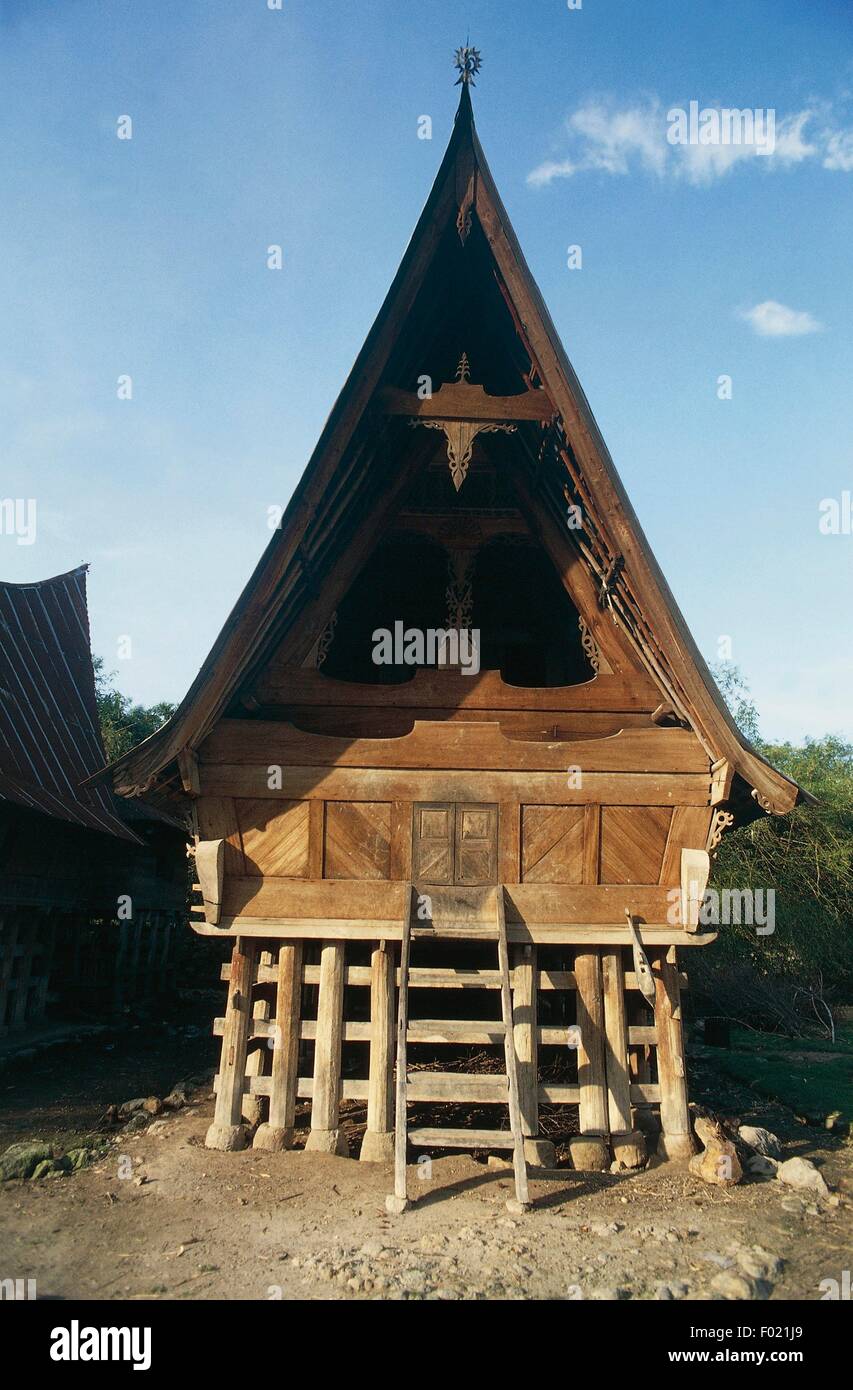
(467, 62)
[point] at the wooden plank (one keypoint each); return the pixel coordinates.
(509, 842)
(557, 904)
(447, 689)
(455, 1030)
(316, 838)
(384, 721)
(592, 844)
(327, 1048)
(524, 933)
(616, 1043)
(275, 836)
(453, 1086)
(461, 1138)
(591, 1057)
(439, 744)
(400, 866)
(631, 789)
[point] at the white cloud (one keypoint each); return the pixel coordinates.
(618, 140)
(774, 320)
(839, 151)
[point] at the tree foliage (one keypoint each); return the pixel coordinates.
(124, 724)
(792, 977)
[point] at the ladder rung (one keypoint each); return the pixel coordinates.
(457, 1030)
(461, 1138)
(457, 1086)
(422, 978)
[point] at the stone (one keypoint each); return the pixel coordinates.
(540, 1153)
(271, 1139)
(498, 1162)
(395, 1206)
(42, 1169)
(735, 1287)
(377, 1146)
(761, 1140)
(516, 1208)
(131, 1107)
(610, 1294)
(590, 1153)
(802, 1174)
(762, 1166)
(152, 1105)
(758, 1263)
(675, 1290)
(629, 1149)
(19, 1160)
(707, 1129)
(228, 1138)
(718, 1164)
(328, 1141)
(177, 1098)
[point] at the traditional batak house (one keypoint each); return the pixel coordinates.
(92, 888)
(499, 819)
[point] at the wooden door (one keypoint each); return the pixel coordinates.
(455, 845)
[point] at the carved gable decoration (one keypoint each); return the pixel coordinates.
(463, 410)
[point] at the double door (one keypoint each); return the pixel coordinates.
(455, 845)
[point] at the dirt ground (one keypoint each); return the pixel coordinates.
(160, 1216)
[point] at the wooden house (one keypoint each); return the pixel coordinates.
(371, 810)
(92, 887)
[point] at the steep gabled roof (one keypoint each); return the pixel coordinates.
(50, 739)
(463, 199)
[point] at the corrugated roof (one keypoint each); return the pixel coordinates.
(50, 738)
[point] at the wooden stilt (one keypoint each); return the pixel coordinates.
(24, 950)
(524, 1013)
(277, 1133)
(378, 1143)
(258, 1061)
(676, 1140)
(326, 1135)
(616, 1042)
(227, 1132)
(591, 1064)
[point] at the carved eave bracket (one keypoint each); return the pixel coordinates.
(463, 410)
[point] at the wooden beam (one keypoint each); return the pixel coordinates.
(676, 1139)
(278, 1132)
(326, 1136)
(616, 1042)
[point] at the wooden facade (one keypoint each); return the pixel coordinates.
(573, 786)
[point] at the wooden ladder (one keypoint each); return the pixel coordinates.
(457, 1138)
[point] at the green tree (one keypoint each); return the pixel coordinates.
(792, 977)
(124, 724)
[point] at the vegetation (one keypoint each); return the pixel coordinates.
(124, 724)
(790, 980)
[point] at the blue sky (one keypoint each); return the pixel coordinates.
(298, 127)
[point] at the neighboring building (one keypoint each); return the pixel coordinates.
(345, 802)
(73, 858)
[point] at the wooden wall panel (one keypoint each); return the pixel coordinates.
(633, 840)
(275, 837)
(689, 830)
(217, 820)
(552, 844)
(358, 839)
